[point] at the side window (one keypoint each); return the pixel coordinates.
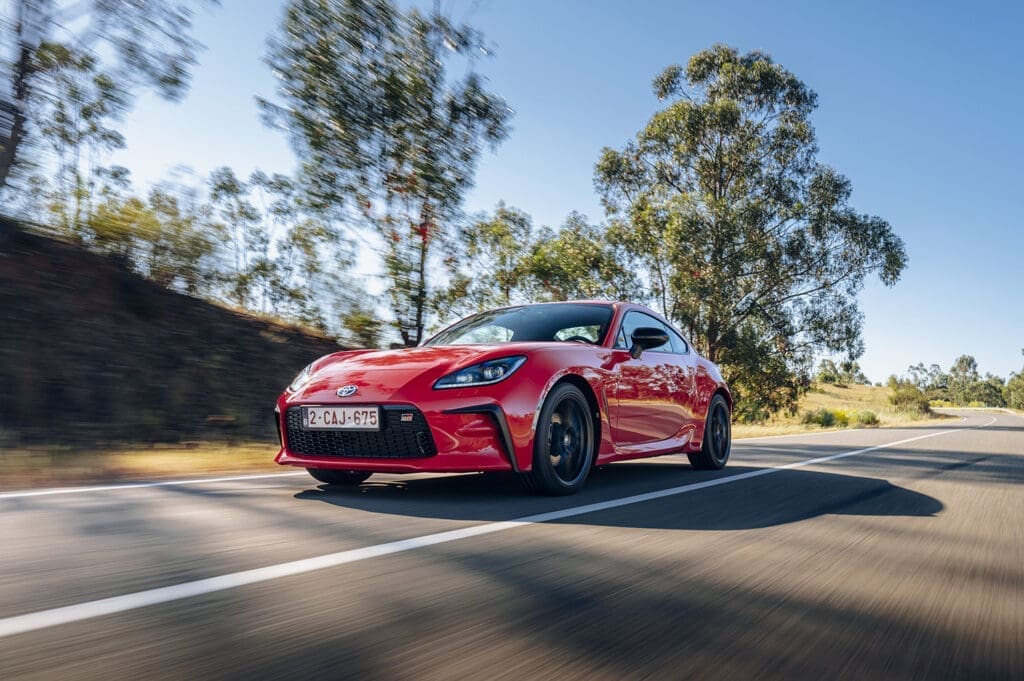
(679, 345)
(633, 320)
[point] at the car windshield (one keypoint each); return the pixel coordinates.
(579, 322)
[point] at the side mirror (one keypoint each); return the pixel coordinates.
(645, 338)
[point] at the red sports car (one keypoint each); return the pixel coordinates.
(546, 391)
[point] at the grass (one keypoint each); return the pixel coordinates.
(29, 467)
(847, 405)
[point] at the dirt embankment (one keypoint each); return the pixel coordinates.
(91, 353)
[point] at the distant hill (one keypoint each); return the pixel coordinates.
(91, 353)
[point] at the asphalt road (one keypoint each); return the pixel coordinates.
(867, 554)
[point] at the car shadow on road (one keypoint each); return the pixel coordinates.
(776, 498)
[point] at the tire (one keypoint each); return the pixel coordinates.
(332, 477)
(714, 450)
(566, 427)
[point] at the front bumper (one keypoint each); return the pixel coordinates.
(451, 438)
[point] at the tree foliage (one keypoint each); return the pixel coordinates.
(962, 385)
(932, 379)
(844, 373)
(577, 262)
(962, 376)
(253, 243)
(238, 224)
(387, 134)
(487, 264)
(745, 238)
(906, 396)
(144, 44)
(362, 327)
(1013, 391)
(501, 259)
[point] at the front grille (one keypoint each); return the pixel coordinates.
(395, 440)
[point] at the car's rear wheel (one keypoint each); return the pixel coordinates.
(332, 477)
(714, 450)
(563, 445)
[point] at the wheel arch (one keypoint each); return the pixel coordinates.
(724, 392)
(588, 392)
(727, 396)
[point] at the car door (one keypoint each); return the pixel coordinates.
(686, 376)
(646, 406)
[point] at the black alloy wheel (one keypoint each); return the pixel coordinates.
(564, 443)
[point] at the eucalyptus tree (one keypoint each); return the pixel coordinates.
(142, 44)
(578, 262)
(77, 112)
(240, 229)
(180, 252)
(1013, 393)
(963, 375)
(488, 264)
(745, 238)
(388, 136)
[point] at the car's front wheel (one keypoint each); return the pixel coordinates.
(564, 443)
(332, 477)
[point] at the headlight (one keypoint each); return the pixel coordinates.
(302, 379)
(485, 373)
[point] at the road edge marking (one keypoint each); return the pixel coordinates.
(43, 619)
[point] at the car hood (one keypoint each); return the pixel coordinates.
(384, 375)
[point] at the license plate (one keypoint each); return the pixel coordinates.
(341, 418)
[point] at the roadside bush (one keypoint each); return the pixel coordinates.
(940, 403)
(826, 418)
(976, 403)
(822, 417)
(865, 417)
(907, 397)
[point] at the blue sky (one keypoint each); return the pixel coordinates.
(919, 105)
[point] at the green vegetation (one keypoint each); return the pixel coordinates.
(718, 212)
(745, 238)
(1013, 392)
(961, 386)
(843, 374)
(827, 405)
(58, 82)
(907, 397)
(826, 418)
(394, 148)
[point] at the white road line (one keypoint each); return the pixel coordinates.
(42, 619)
(138, 485)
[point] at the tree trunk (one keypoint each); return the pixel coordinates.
(16, 109)
(421, 285)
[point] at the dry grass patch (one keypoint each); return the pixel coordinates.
(849, 406)
(29, 467)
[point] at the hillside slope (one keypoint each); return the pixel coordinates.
(91, 353)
